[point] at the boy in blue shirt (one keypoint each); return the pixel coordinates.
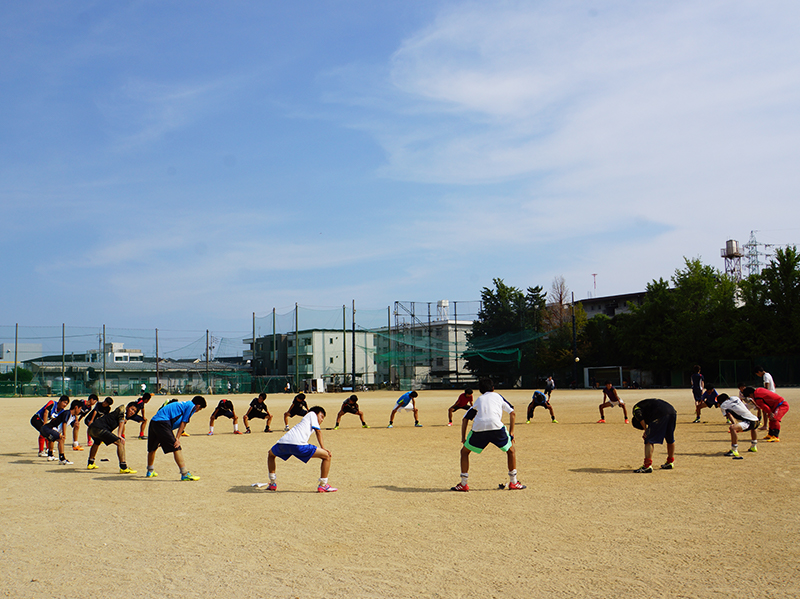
(406, 402)
(171, 416)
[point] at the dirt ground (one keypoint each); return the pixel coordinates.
(586, 526)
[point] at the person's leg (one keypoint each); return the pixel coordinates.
(75, 430)
(325, 466)
(141, 428)
(602, 406)
(511, 457)
(648, 454)
(416, 416)
(271, 465)
(151, 459)
(624, 411)
(391, 417)
(450, 414)
(269, 420)
(339, 417)
(247, 423)
(93, 453)
(552, 414)
(286, 418)
(531, 407)
(670, 452)
(361, 416)
(178, 455)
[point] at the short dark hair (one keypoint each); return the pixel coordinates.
(318, 410)
(108, 401)
(92, 396)
(414, 394)
(262, 395)
(758, 369)
(300, 396)
(353, 397)
(739, 385)
(748, 391)
(467, 391)
(723, 397)
(696, 368)
(710, 387)
(146, 396)
(485, 385)
(199, 400)
(76, 403)
(63, 398)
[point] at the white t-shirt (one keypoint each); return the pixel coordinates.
(736, 408)
(488, 409)
(768, 382)
(301, 431)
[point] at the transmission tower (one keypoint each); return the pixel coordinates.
(752, 254)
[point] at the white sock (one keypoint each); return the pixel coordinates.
(210, 429)
(235, 427)
(464, 476)
(753, 441)
(273, 476)
(734, 446)
(512, 475)
(323, 481)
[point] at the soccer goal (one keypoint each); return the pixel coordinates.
(598, 375)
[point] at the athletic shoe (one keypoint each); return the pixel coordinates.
(326, 488)
(77, 448)
(143, 437)
(51, 458)
(460, 487)
(451, 424)
(189, 476)
(126, 471)
(210, 433)
(240, 432)
(89, 444)
(92, 467)
(731, 454)
(151, 474)
(668, 466)
(336, 428)
(266, 430)
(753, 449)
(42, 454)
(696, 420)
(286, 428)
(738, 457)
(554, 421)
(643, 470)
(627, 421)
(364, 425)
(272, 487)
(516, 486)
(247, 432)
(64, 462)
(770, 439)
(601, 421)
(183, 434)
(390, 425)
(418, 425)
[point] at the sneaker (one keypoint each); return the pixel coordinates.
(451, 424)
(210, 434)
(247, 432)
(183, 434)
(601, 421)
(64, 462)
(527, 422)
(643, 470)
(266, 430)
(126, 471)
(143, 437)
(89, 444)
(240, 432)
(731, 453)
(668, 466)
(77, 448)
(554, 421)
(272, 487)
(189, 476)
(753, 449)
(151, 474)
(417, 425)
(286, 428)
(336, 428)
(92, 467)
(460, 487)
(42, 454)
(516, 486)
(627, 421)
(326, 489)
(51, 458)
(364, 425)
(696, 420)
(771, 439)
(390, 425)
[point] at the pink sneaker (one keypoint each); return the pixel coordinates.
(326, 489)
(460, 487)
(601, 421)
(272, 487)
(515, 486)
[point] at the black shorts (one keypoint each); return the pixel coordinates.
(662, 429)
(297, 411)
(256, 414)
(48, 433)
(350, 409)
(37, 422)
(102, 435)
(540, 403)
(220, 412)
(160, 434)
(457, 408)
(749, 425)
(136, 418)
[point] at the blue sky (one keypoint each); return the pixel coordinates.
(184, 164)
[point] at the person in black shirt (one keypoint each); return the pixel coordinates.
(657, 419)
(54, 430)
(224, 408)
(258, 409)
(299, 407)
(102, 431)
(138, 414)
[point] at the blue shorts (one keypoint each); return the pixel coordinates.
(302, 452)
(478, 440)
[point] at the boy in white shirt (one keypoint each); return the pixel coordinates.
(742, 420)
(295, 443)
(487, 427)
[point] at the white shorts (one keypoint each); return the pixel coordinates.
(408, 406)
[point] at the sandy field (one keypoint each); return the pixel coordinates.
(586, 526)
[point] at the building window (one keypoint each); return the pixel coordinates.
(330, 340)
(331, 360)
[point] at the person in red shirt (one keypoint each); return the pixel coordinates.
(464, 402)
(772, 405)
